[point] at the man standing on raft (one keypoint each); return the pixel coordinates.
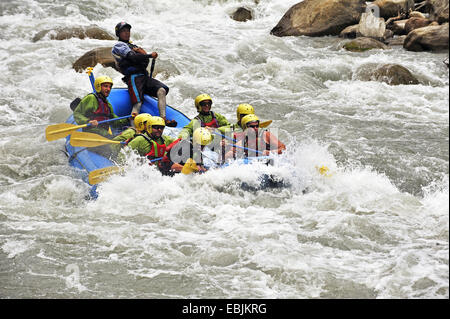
(132, 62)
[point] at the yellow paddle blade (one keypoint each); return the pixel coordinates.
(101, 174)
(265, 124)
(84, 139)
(189, 167)
(324, 171)
(57, 131)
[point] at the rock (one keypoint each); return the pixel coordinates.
(92, 31)
(90, 59)
(363, 44)
(396, 40)
(372, 27)
(391, 8)
(430, 38)
(398, 27)
(319, 18)
(415, 23)
(439, 10)
(350, 32)
(392, 74)
(416, 14)
(242, 15)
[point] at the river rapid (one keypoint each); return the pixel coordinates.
(376, 226)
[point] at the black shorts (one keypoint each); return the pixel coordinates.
(140, 84)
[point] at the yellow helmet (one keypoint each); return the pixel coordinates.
(248, 119)
(100, 80)
(244, 109)
(202, 136)
(200, 98)
(140, 121)
(155, 120)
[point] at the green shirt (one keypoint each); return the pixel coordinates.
(84, 112)
(188, 130)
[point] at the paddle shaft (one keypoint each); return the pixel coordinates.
(152, 67)
(234, 145)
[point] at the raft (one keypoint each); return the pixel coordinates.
(87, 161)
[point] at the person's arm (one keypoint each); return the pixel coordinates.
(222, 121)
(186, 132)
(275, 144)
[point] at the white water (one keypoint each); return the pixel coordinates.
(376, 228)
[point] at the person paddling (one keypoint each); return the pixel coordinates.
(254, 140)
(205, 117)
(94, 108)
(132, 61)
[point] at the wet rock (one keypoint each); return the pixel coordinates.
(392, 74)
(398, 27)
(92, 31)
(363, 44)
(90, 59)
(319, 18)
(242, 15)
(396, 40)
(391, 8)
(416, 14)
(439, 10)
(350, 32)
(430, 38)
(415, 23)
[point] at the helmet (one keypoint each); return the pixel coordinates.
(155, 120)
(248, 119)
(200, 98)
(244, 109)
(100, 80)
(140, 121)
(120, 26)
(202, 136)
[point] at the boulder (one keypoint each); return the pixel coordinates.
(391, 8)
(416, 14)
(90, 59)
(430, 38)
(415, 23)
(398, 27)
(371, 26)
(363, 44)
(242, 15)
(92, 31)
(439, 10)
(319, 18)
(396, 40)
(392, 74)
(350, 32)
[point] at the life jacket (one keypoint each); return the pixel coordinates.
(128, 67)
(103, 112)
(157, 150)
(258, 143)
(214, 123)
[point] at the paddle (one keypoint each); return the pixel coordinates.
(189, 167)
(84, 139)
(265, 124)
(101, 174)
(57, 131)
(91, 77)
(234, 145)
(152, 67)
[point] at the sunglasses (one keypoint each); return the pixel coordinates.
(205, 103)
(158, 127)
(253, 125)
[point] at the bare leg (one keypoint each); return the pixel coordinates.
(135, 111)
(161, 93)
